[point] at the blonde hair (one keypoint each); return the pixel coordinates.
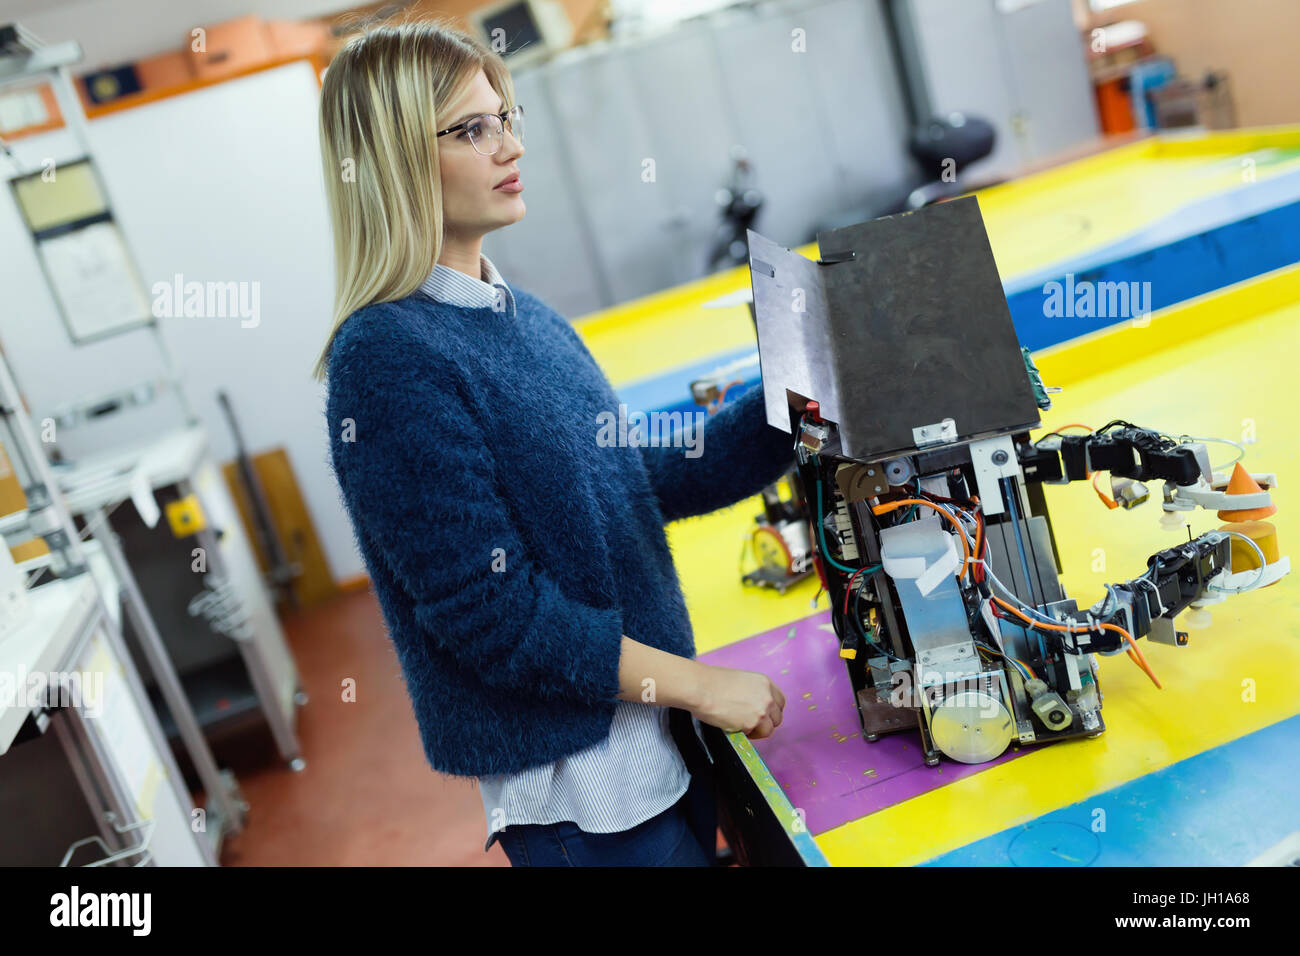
(382, 100)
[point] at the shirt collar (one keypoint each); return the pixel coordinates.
(456, 288)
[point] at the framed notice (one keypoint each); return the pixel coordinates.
(82, 251)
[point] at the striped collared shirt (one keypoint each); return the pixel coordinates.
(451, 285)
(634, 774)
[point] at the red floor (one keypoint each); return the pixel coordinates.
(367, 796)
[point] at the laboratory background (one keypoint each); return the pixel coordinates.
(1039, 397)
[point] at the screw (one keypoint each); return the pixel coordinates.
(999, 457)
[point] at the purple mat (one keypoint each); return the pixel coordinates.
(817, 755)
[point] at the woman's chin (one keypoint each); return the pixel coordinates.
(507, 215)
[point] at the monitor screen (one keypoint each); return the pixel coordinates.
(517, 27)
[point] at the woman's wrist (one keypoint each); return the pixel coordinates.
(672, 680)
(696, 687)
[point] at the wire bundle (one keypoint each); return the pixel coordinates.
(974, 543)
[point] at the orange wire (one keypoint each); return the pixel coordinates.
(717, 403)
(961, 532)
(1134, 653)
(1057, 431)
(1108, 501)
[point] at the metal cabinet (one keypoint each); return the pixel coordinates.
(1020, 64)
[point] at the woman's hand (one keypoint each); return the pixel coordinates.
(735, 700)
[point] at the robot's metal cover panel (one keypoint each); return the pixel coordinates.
(907, 327)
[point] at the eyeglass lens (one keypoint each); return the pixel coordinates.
(485, 132)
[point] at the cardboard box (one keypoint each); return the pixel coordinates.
(12, 497)
(297, 38)
(230, 47)
(165, 70)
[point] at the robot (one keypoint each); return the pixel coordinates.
(894, 364)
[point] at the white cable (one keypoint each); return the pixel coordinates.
(1043, 618)
(966, 534)
(1071, 623)
(1241, 451)
(1110, 596)
(1154, 590)
(1259, 575)
(1040, 616)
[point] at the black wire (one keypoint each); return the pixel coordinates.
(931, 496)
(1070, 646)
(1111, 424)
(1058, 434)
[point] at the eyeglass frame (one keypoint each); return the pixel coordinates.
(504, 123)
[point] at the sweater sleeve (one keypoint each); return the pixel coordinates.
(421, 480)
(740, 455)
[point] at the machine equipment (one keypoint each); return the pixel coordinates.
(894, 364)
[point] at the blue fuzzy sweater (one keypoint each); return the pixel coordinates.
(510, 550)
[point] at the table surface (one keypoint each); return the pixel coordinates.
(1240, 675)
(1178, 773)
(60, 612)
(1136, 196)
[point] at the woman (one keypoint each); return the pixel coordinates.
(518, 554)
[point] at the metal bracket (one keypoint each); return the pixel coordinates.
(939, 433)
(993, 458)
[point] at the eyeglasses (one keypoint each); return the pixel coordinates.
(485, 131)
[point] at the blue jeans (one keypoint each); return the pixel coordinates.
(683, 835)
(664, 840)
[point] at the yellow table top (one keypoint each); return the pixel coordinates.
(1041, 219)
(1219, 366)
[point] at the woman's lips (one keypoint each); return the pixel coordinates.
(513, 186)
